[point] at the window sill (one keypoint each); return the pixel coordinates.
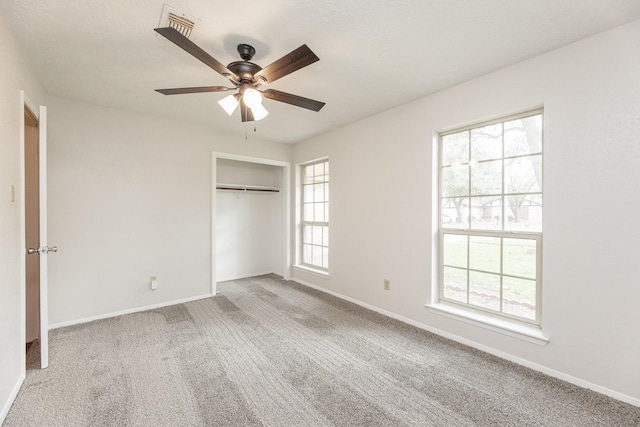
(314, 271)
(530, 334)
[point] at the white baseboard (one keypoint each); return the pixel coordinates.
(532, 365)
(146, 307)
(128, 311)
(12, 397)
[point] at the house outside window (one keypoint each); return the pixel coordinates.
(490, 231)
(315, 215)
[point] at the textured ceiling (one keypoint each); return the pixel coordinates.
(374, 54)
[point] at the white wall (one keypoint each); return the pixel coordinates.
(249, 225)
(16, 75)
(381, 217)
(129, 198)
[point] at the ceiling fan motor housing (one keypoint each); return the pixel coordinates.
(244, 70)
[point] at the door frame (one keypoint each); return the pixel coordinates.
(40, 113)
(286, 191)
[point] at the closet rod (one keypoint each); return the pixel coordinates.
(231, 187)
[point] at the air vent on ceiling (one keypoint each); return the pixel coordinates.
(181, 24)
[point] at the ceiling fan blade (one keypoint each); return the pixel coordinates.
(293, 61)
(190, 47)
(182, 90)
(245, 112)
(296, 100)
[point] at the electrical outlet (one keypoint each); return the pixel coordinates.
(387, 284)
(153, 282)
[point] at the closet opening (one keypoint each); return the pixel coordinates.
(250, 217)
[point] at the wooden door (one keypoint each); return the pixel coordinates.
(32, 224)
(37, 249)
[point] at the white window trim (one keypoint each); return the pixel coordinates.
(527, 333)
(498, 322)
(316, 272)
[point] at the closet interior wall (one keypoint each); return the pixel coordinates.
(249, 225)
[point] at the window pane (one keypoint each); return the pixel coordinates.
(484, 290)
(455, 181)
(326, 192)
(318, 212)
(325, 236)
(308, 212)
(325, 257)
(523, 174)
(455, 284)
(307, 233)
(519, 257)
(316, 258)
(318, 171)
(454, 212)
(523, 136)
(486, 178)
(524, 213)
(308, 193)
(307, 252)
(455, 250)
(455, 148)
(318, 192)
(519, 297)
(484, 253)
(486, 213)
(317, 236)
(486, 142)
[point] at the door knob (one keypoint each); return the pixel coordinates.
(52, 249)
(32, 251)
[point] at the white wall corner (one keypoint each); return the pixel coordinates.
(12, 397)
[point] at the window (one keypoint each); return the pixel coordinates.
(315, 215)
(490, 233)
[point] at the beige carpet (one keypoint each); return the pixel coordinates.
(271, 353)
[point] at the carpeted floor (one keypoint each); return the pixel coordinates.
(271, 353)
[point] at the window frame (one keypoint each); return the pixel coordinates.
(503, 233)
(303, 223)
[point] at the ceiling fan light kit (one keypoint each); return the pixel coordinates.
(230, 103)
(252, 97)
(246, 77)
(259, 112)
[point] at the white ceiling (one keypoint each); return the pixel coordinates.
(374, 54)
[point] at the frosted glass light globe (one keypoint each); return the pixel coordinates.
(252, 98)
(259, 112)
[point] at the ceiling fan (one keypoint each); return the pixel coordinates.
(246, 77)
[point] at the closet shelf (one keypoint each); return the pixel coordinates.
(240, 187)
